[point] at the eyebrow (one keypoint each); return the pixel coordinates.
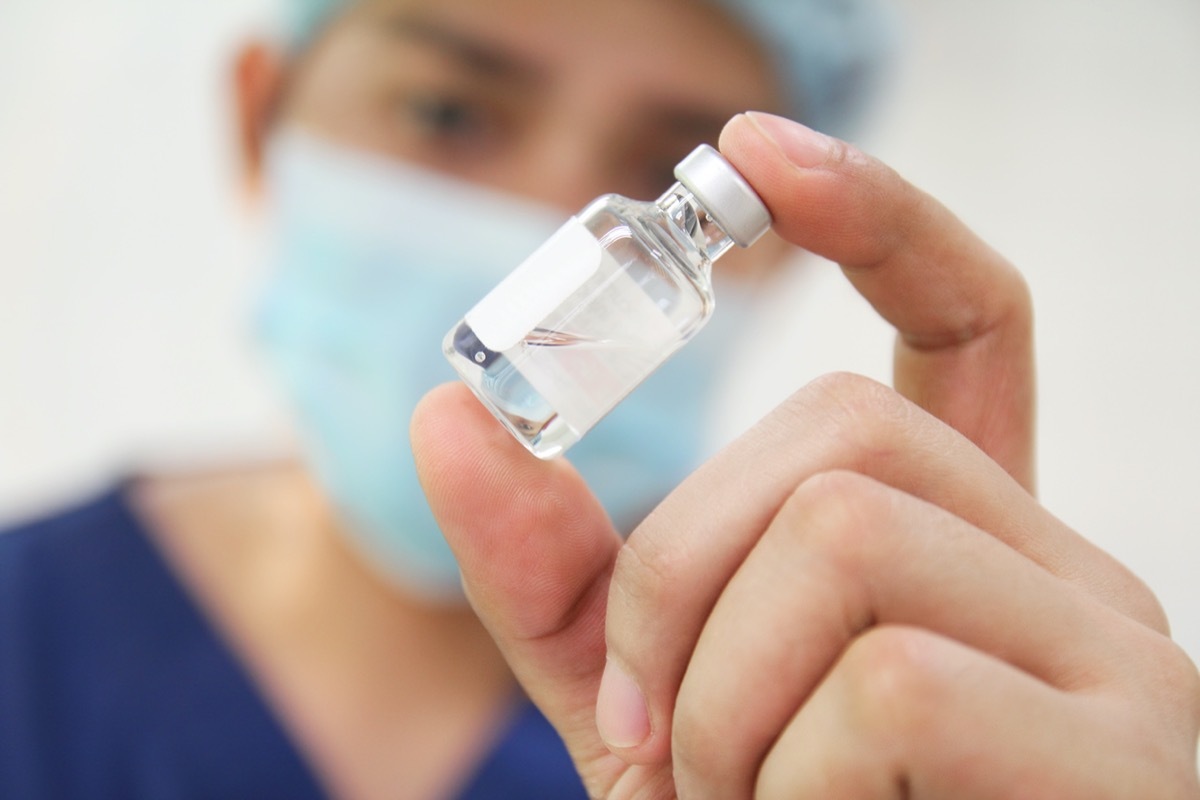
(492, 60)
(478, 55)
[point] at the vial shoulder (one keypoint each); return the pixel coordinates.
(614, 220)
(615, 209)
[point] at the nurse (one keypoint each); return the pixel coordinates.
(298, 629)
(859, 597)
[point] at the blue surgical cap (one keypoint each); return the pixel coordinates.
(830, 53)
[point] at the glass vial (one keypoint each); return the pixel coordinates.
(602, 303)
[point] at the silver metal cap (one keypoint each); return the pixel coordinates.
(724, 192)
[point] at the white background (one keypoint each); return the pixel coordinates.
(1067, 132)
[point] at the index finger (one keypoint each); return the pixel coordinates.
(964, 350)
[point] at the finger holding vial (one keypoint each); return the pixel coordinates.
(963, 314)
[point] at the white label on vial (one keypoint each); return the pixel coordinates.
(630, 336)
(535, 288)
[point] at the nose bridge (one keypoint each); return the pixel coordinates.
(565, 164)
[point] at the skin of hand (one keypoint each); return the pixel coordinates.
(859, 598)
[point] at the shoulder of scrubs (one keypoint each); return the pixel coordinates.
(112, 684)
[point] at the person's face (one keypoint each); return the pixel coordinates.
(556, 100)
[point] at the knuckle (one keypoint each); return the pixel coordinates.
(1007, 310)
(836, 513)
(843, 154)
(1139, 601)
(855, 393)
(895, 687)
(1147, 608)
(1021, 301)
(858, 412)
(835, 489)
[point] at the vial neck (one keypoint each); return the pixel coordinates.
(693, 219)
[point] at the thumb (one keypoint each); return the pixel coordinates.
(536, 551)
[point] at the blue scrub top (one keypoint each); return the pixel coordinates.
(114, 685)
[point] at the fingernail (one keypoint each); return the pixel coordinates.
(621, 714)
(800, 145)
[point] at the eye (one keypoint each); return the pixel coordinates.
(446, 117)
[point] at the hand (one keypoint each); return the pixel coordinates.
(860, 598)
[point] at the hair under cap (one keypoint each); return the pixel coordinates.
(830, 54)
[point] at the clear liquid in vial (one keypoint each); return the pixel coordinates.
(595, 347)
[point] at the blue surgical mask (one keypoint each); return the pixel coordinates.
(373, 261)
